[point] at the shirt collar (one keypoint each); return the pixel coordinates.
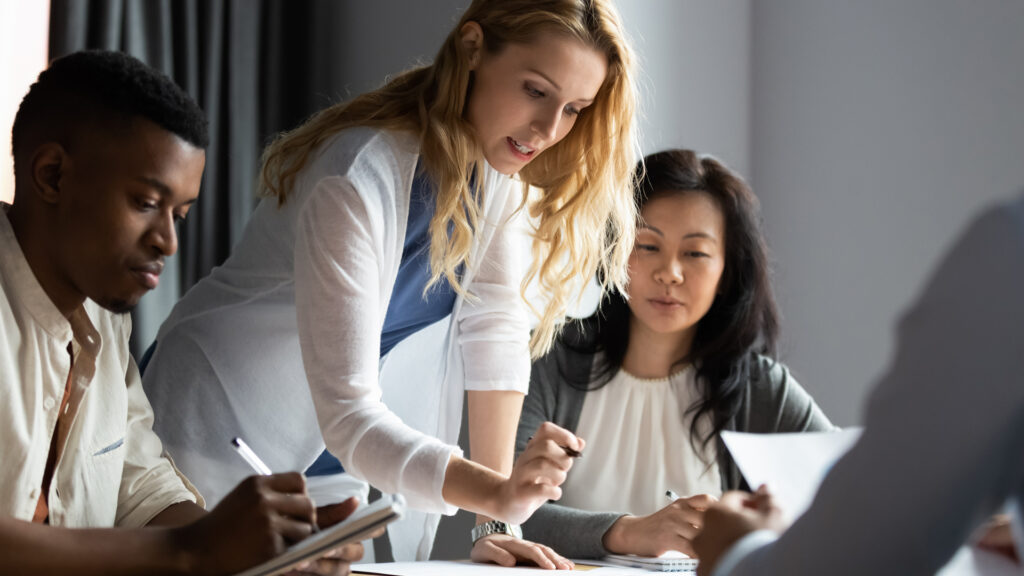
(22, 288)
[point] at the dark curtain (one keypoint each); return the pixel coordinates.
(256, 67)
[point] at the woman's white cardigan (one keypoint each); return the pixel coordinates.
(320, 271)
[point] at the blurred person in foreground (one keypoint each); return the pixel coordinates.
(943, 446)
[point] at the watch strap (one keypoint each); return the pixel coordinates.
(495, 527)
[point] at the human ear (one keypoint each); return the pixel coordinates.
(47, 165)
(472, 37)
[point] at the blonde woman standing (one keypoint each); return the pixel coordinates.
(379, 280)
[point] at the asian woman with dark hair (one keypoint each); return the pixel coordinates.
(653, 378)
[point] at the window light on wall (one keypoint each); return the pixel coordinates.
(24, 33)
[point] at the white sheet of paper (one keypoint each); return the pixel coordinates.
(792, 465)
(464, 568)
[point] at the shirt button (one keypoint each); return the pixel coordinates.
(48, 404)
(34, 494)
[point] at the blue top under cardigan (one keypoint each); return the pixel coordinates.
(409, 309)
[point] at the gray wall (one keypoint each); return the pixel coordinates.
(696, 75)
(878, 129)
(383, 37)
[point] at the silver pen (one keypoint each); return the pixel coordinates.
(250, 457)
(256, 463)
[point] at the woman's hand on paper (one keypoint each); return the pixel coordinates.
(733, 517)
(254, 523)
(671, 528)
(337, 562)
(507, 550)
(537, 473)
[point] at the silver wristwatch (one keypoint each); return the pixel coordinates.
(495, 527)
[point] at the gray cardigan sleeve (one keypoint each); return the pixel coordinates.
(570, 532)
(775, 402)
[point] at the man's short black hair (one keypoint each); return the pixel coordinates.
(100, 87)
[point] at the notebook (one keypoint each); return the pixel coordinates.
(356, 527)
(668, 562)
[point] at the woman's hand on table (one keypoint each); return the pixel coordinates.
(507, 550)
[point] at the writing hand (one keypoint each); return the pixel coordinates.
(255, 522)
(338, 561)
(671, 528)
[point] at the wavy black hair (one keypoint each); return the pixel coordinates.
(102, 89)
(742, 324)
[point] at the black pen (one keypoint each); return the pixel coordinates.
(572, 453)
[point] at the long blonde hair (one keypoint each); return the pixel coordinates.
(585, 218)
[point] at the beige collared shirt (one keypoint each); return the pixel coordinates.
(111, 471)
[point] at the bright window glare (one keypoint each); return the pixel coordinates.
(24, 31)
